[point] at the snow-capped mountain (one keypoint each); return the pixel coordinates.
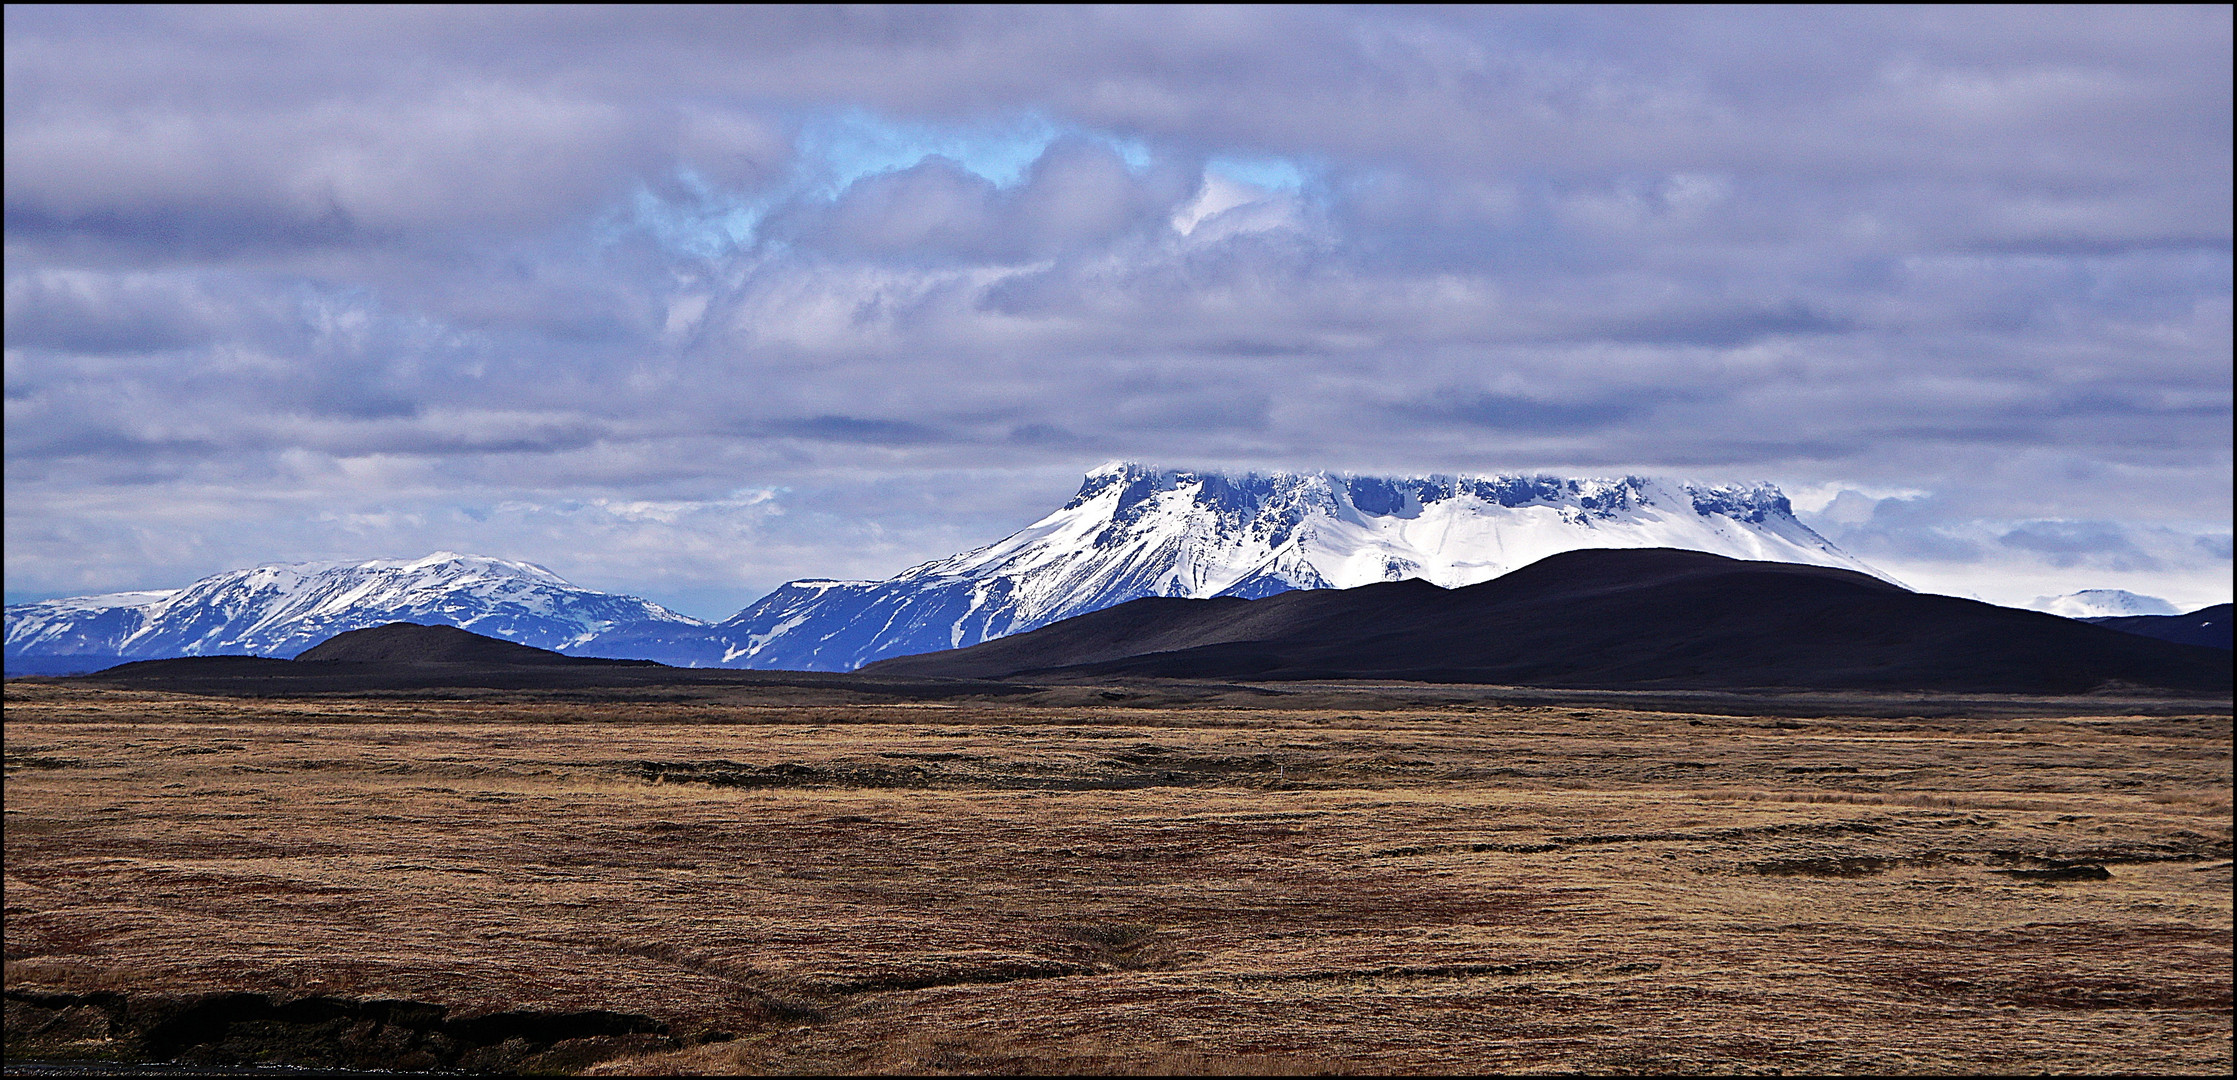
(1132, 531)
(1135, 531)
(2099, 603)
(283, 609)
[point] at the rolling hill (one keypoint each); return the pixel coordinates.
(1638, 618)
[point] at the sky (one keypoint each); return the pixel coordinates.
(687, 303)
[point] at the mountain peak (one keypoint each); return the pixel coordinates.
(1134, 483)
(2099, 603)
(1136, 530)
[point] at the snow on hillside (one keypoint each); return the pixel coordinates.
(2097, 603)
(1135, 531)
(282, 609)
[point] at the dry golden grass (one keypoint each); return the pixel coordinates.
(976, 886)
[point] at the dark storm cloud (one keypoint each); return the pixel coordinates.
(1728, 327)
(85, 314)
(299, 259)
(1515, 413)
(850, 429)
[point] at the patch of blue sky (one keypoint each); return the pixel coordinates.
(1271, 173)
(836, 149)
(1134, 152)
(842, 147)
(708, 224)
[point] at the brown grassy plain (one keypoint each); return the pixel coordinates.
(1229, 885)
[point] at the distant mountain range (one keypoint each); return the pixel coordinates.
(1132, 531)
(281, 610)
(1639, 619)
(1652, 619)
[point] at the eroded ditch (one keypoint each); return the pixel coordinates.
(316, 1032)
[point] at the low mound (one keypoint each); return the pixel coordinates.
(412, 643)
(199, 667)
(1634, 619)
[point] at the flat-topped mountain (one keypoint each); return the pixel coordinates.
(1656, 618)
(1134, 531)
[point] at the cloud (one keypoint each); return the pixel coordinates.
(850, 429)
(387, 262)
(1932, 542)
(1514, 412)
(1908, 529)
(1076, 194)
(2070, 543)
(1730, 326)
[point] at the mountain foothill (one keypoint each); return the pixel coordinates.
(1599, 619)
(1171, 574)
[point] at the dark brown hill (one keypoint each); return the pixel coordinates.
(1642, 618)
(2206, 626)
(412, 643)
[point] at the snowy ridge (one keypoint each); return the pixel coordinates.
(2101, 603)
(105, 601)
(282, 609)
(1135, 531)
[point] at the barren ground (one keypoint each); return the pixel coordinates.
(1386, 886)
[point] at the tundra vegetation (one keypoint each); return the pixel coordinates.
(1126, 879)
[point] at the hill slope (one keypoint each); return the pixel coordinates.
(2207, 626)
(411, 643)
(1607, 618)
